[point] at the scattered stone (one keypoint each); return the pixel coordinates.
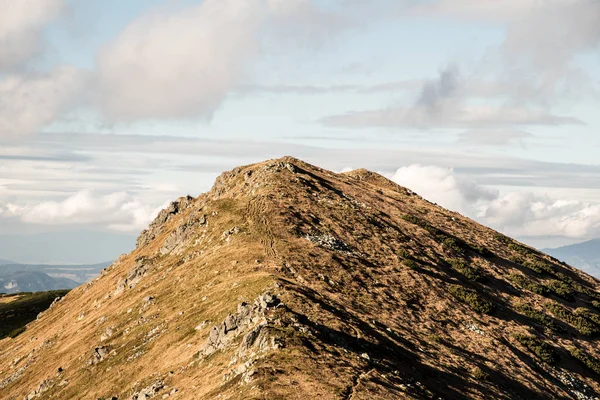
(329, 242)
(99, 354)
(148, 392)
(107, 334)
(46, 385)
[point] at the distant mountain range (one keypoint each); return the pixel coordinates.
(585, 256)
(16, 278)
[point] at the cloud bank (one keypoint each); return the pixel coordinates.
(117, 211)
(518, 213)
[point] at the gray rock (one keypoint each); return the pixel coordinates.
(248, 316)
(99, 354)
(134, 276)
(149, 391)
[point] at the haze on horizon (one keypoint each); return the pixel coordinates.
(111, 109)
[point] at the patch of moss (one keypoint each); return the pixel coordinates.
(583, 357)
(541, 349)
(470, 271)
(409, 263)
(471, 298)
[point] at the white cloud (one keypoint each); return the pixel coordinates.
(444, 103)
(118, 211)
(443, 186)
(184, 64)
(495, 10)
(21, 25)
(521, 214)
(27, 103)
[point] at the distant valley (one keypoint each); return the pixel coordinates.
(15, 277)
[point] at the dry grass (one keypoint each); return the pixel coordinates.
(358, 321)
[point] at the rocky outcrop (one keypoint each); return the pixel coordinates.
(248, 317)
(176, 242)
(156, 227)
(134, 276)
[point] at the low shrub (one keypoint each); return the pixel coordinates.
(583, 357)
(592, 316)
(539, 316)
(480, 375)
(561, 289)
(409, 263)
(525, 283)
(583, 325)
(469, 271)
(472, 299)
(538, 266)
(403, 253)
(541, 349)
(502, 238)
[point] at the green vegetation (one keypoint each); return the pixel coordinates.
(454, 245)
(470, 271)
(15, 314)
(471, 298)
(501, 238)
(517, 248)
(541, 349)
(434, 338)
(596, 304)
(480, 375)
(583, 325)
(592, 316)
(410, 264)
(525, 283)
(517, 259)
(538, 266)
(414, 220)
(403, 253)
(561, 289)
(590, 362)
(539, 317)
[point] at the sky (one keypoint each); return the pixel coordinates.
(111, 109)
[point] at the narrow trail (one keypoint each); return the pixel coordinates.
(257, 211)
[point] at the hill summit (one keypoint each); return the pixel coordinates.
(288, 281)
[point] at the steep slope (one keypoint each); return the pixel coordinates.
(585, 256)
(287, 281)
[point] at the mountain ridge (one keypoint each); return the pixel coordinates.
(585, 255)
(286, 280)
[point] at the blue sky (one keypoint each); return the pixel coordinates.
(109, 109)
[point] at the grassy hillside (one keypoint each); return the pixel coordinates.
(17, 310)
